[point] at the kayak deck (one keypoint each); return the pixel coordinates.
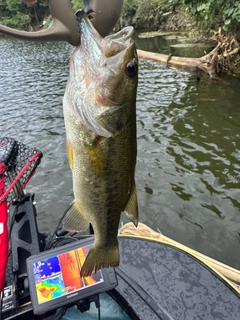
(159, 281)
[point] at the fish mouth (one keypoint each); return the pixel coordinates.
(110, 45)
(98, 62)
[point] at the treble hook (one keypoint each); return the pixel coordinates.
(104, 15)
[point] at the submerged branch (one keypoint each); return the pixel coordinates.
(224, 58)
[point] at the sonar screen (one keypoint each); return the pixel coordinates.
(54, 277)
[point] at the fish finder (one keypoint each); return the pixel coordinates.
(54, 277)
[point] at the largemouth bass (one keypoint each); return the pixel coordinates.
(100, 118)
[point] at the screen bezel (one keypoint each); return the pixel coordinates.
(108, 283)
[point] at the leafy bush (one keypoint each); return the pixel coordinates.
(147, 13)
(225, 13)
(77, 4)
(210, 14)
(18, 15)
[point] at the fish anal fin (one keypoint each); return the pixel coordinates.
(70, 154)
(96, 157)
(98, 258)
(74, 220)
(131, 209)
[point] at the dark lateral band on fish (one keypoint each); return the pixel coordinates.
(101, 138)
(104, 14)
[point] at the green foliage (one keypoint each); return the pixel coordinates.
(77, 4)
(129, 5)
(147, 13)
(140, 13)
(138, 6)
(18, 20)
(16, 14)
(225, 13)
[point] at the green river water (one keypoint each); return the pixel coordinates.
(188, 166)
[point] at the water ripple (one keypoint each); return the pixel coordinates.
(188, 167)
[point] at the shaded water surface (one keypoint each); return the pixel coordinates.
(188, 168)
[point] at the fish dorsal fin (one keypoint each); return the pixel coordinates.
(74, 220)
(131, 209)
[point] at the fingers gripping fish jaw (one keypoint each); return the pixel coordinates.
(104, 14)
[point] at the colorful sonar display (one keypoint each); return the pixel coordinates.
(54, 277)
(59, 275)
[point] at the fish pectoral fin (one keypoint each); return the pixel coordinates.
(112, 121)
(131, 209)
(96, 157)
(74, 220)
(98, 258)
(70, 154)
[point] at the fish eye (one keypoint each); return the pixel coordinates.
(131, 69)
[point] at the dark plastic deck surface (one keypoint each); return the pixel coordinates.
(160, 281)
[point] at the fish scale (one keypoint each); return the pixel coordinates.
(101, 138)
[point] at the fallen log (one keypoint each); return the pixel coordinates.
(175, 61)
(224, 58)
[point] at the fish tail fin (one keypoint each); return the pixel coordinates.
(98, 258)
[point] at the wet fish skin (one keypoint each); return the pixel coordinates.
(100, 119)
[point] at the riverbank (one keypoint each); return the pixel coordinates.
(177, 22)
(172, 16)
(191, 17)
